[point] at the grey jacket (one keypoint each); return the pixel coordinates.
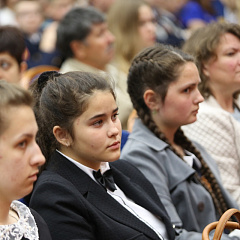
(187, 202)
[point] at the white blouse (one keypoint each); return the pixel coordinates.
(24, 227)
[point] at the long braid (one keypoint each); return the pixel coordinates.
(214, 188)
(147, 71)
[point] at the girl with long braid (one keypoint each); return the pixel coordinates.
(163, 86)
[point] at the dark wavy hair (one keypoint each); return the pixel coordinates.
(60, 99)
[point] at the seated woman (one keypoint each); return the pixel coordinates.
(217, 51)
(135, 31)
(163, 86)
(80, 136)
(20, 158)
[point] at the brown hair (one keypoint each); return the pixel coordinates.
(60, 99)
(12, 42)
(11, 96)
(155, 68)
(202, 45)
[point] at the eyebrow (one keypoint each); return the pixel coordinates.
(103, 114)
(192, 84)
(28, 135)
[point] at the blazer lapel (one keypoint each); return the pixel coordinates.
(97, 196)
(135, 192)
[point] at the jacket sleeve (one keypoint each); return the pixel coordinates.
(62, 210)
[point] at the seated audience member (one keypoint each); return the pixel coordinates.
(135, 31)
(198, 13)
(80, 136)
(29, 15)
(20, 159)
(163, 86)
(87, 45)
(169, 28)
(217, 51)
(12, 54)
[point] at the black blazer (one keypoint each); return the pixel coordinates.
(75, 207)
(43, 230)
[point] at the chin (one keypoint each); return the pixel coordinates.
(192, 121)
(114, 158)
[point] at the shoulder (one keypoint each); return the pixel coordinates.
(31, 222)
(117, 74)
(43, 230)
(130, 170)
(135, 175)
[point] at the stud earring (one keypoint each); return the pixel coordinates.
(154, 111)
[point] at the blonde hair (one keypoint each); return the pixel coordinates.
(123, 22)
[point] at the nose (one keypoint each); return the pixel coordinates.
(37, 158)
(113, 130)
(199, 98)
(152, 27)
(110, 37)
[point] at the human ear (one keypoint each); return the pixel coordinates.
(22, 68)
(78, 49)
(151, 99)
(205, 70)
(62, 136)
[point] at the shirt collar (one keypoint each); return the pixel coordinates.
(104, 166)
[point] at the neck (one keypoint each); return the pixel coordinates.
(5, 217)
(169, 133)
(225, 101)
(223, 97)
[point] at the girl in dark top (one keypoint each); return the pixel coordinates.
(20, 158)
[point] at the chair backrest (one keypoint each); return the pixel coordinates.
(222, 224)
(33, 73)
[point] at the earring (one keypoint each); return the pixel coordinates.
(154, 111)
(67, 144)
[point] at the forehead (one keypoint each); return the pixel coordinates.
(100, 101)
(144, 10)
(188, 73)
(27, 5)
(16, 118)
(5, 56)
(98, 27)
(227, 38)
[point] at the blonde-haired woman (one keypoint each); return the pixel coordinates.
(133, 24)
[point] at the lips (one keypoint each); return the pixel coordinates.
(115, 144)
(196, 111)
(34, 175)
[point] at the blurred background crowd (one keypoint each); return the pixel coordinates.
(129, 27)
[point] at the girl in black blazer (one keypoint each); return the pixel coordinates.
(83, 192)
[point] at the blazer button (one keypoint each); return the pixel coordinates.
(201, 206)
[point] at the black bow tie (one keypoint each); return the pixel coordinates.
(106, 180)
